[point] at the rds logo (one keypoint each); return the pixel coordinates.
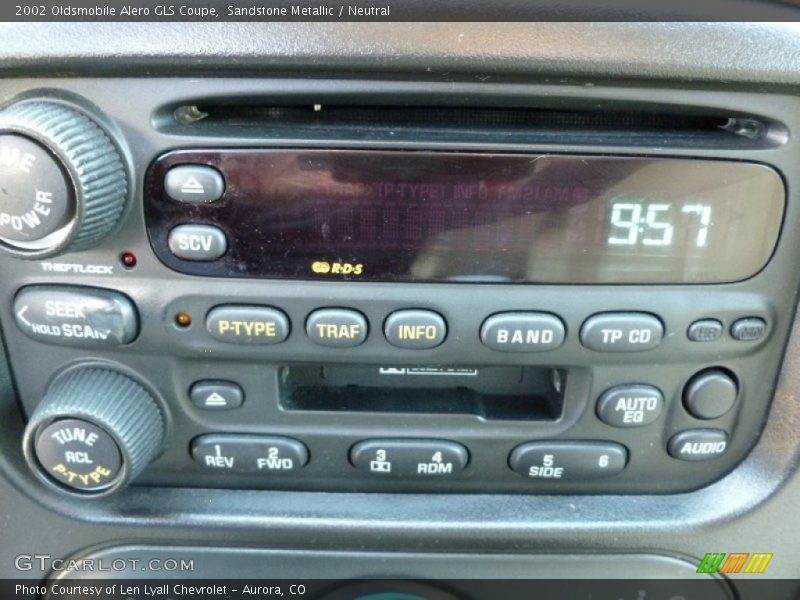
(322, 267)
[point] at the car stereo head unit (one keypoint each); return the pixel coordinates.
(408, 316)
(462, 217)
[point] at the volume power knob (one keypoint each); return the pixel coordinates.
(63, 184)
(93, 432)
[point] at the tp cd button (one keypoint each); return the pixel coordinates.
(522, 332)
(568, 461)
(409, 457)
(415, 329)
(621, 332)
(197, 242)
(76, 316)
(252, 325)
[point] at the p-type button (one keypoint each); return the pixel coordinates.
(251, 325)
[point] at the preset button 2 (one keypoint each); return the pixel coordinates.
(409, 457)
(252, 325)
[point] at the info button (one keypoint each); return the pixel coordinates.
(415, 329)
(252, 325)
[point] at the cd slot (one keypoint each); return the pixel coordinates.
(492, 393)
(628, 124)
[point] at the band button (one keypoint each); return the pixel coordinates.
(252, 325)
(337, 327)
(415, 329)
(522, 332)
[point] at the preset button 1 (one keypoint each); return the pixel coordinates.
(568, 461)
(409, 457)
(249, 453)
(522, 332)
(252, 325)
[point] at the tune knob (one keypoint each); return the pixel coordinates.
(93, 432)
(63, 184)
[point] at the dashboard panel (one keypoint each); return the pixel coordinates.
(471, 391)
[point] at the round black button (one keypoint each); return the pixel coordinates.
(78, 455)
(34, 198)
(710, 394)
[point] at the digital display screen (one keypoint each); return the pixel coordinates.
(474, 217)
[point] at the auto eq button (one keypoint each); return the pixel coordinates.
(242, 453)
(630, 405)
(418, 458)
(621, 332)
(250, 325)
(76, 316)
(522, 332)
(568, 461)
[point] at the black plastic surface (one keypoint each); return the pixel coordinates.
(747, 508)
